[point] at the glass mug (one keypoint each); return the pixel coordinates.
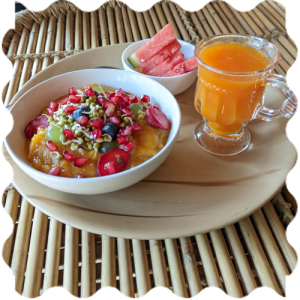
(228, 100)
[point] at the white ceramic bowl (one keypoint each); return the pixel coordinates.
(30, 104)
(175, 84)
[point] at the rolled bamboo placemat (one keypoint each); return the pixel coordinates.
(149, 24)
(198, 25)
(133, 24)
(170, 19)
(78, 30)
(94, 29)
(211, 21)
(50, 40)
(128, 32)
(217, 19)
(103, 27)
(154, 19)
(204, 23)
(60, 36)
(272, 12)
(111, 26)
(120, 26)
(277, 7)
(141, 25)
(160, 14)
(69, 40)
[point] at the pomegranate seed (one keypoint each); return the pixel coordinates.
(129, 146)
(70, 109)
(75, 99)
(118, 100)
(115, 120)
(68, 156)
(89, 92)
(111, 96)
(134, 99)
(72, 91)
(110, 167)
(106, 105)
(97, 123)
(32, 127)
(136, 127)
(126, 97)
(96, 134)
(101, 100)
(126, 131)
(50, 112)
(119, 92)
(79, 176)
(69, 134)
(126, 111)
(63, 100)
(109, 112)
(83, 120)
(122, 139)
(80, 162)
(55, 171)
(145, 98)
(51, 146)
(53, 106)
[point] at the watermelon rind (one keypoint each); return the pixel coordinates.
(133, 60)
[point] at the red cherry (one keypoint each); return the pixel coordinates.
(83, 120)
(32, 127)
(110, 167)
(156, 118)
(75, 99)
(79, 176)
(136, 127)
(80, 162)
(89, 92)
(126, 111)
(55, 171)
(129, 146)
(97, 123)
(72, 91)
(96, 134)
(51, 146)
(115, 120)
(69, 134)
(134, 99)
(50, 112)
(68, 156)
(70, 109)
(145, 98)
(53, 106)
(122, 139)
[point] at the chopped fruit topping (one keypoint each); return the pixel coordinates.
(70, 109)
(72, 91)
(53, 106)
(106, 105)
(50, 112)
(101, 100)
(115, 120)
(96, 123)
(89, 92)
(63, 100)
(134, 99)
(119, 92)
(118, 100)
(110, 167)
(79, 176)
(145, 98)
(126, 111)
(126, 98)
(53, 133)
(135, 108)
(110, 111)
(122, 139)
(118, 157)
(55, 171)
(126, 131)
(83, 120)
(136, 127)
(156, 118)
(69, 156)
(75, 99)
(79, 162)
(129, 146)
(106, 146)
(69, 134)
(51, 146)
(80, 112)
(111, 129)
(32, 127)
(96, 134)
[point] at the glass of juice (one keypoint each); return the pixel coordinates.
(233, 71)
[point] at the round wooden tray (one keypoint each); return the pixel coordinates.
(192, 191)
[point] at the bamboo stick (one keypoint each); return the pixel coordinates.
(170, 19)
(259, 258)
(60, 36)
(271, 18)
(158, 264)
(141, 25)
(280, 5)
(108, 271)
(190, 266)
(133, 24)
(11, 207)
(269, 244)
(219, 22)
(94, 30)
(149, 24)
(78, 30)
(176, 271)
(111, 25)
(120, 26)
(160, 15)
(125, 268)
(251, 23)
(4, 198)
(14, 43)
(126, 24)
(279, 70)
(50, 41)
(103, 27)
(154, 19)
(70, 275)
(201, 32)
(290, 199)
(86, 30)
(211, 21)
(209, 265)
(280, 11)
(283, 209)
(69, 39)
(88, 264)
(37, 63)
(278, 231)
(204, 23)
(53, 255)
(274, 13)
(30, 49)
(19, 257)
(185, 35)
(230, 17)
(230, 280)
(242, 264)
(36, 254)
(141, 267)
(227, 23)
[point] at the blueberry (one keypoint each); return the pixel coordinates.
(106, 146)
(96, 94)
(79, 112)
(111, 129)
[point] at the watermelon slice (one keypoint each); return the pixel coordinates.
(183, 67)
(167, 65)
(163, 38)
(158, 58)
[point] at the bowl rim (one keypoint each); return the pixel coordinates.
(124, 60)
(45, 176)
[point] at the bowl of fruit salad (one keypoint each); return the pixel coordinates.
(163, 58)
(93, 131)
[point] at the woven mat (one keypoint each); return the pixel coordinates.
(43, 252)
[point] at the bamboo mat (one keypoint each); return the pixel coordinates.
(43, 252)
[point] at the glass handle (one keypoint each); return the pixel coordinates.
(288, 107)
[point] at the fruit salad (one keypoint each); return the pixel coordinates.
(95, 131)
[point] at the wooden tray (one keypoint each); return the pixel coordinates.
(192, 192)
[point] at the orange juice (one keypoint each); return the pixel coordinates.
(226, 102)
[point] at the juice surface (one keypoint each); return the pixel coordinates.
(226, 101)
